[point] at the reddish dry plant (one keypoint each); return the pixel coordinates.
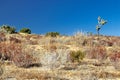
(15, 52)
(114, 57)
(23, 60)
(32, 42)
(109, 43)
(106, 43)
(115, 60)
(15, 40)
(98, 52)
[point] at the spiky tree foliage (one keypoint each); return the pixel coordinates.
(101, 22)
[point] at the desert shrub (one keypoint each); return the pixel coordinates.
(15, 40)
(105, 43)
(23, 60)
(28, 37)
(52, 47)
(2, 37)
(32, 42)
(49, 59)
(52, 34)
(84, 42)
(115, 60)
(109, 43)
(76, 56)
(97, 52)
(25, 30)
(16, 53)
(102, 42)
(7, 29)
(4, 51)
(80, 39)
(55, 59)
(1, 68)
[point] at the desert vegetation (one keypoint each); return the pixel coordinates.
(25, 30)
(57, 57)
(101, 22)
(52, 34)
(7, 29)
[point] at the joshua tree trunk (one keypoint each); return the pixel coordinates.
(98, 34)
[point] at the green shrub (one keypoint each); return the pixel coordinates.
(76, 56)
(25, 30)
(7, 29)
(52, 34)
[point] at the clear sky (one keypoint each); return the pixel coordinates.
(64, 16)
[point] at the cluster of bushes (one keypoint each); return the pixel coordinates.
(53, 34)
(7, 29)
(11, 30)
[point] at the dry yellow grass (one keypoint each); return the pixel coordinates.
(54, 50)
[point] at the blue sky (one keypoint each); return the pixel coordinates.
(64, 16)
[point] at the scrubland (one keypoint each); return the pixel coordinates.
(77, 57)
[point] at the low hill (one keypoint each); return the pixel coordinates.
(78, 57)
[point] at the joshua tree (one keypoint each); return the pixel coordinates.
(101, 22)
